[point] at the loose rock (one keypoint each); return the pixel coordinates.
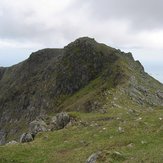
(59, 121)
(26, 137)
(93, 157)
(37, 126)
(120, 129)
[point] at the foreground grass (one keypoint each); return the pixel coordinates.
(137, 134)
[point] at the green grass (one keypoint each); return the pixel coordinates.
(141, 140)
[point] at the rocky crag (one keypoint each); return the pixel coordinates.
(84, 76)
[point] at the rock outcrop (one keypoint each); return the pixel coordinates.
(37, 126)
(2, 138)
(59, 121)
(26, 137)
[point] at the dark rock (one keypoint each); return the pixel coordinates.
(2, 70)
(89, 63)
(160, 95)
(59, 121)
(26, 137)
(2, 138)
(140, 66)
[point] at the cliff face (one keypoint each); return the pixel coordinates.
(76, 77)
(82, 62)
(2, 70)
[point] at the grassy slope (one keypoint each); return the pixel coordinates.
(141, 140)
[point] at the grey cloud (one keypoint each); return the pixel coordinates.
(26, 24)
(13, 25)
(142, 14)
(80, 17)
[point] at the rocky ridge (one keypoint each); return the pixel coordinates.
(83, 76)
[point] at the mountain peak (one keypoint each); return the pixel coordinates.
(74, 78)
(85, 40)
(82, 42)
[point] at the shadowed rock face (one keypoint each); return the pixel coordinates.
(45, 80)
(83, 61)
(2, 138)
(2, 70)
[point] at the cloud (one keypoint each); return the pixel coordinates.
(37, 20)
(142, 14)
(132, 25)
(55, 23)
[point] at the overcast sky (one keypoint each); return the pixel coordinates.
(130, 25)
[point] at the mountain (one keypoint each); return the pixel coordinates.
(84, 76)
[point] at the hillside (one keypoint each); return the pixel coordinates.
(120, 135)
(94, 83)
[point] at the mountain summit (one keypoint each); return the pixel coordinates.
(84, 76)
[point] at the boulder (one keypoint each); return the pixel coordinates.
(59, 121)
(37, 126)
(93, 157)
(26, 137)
